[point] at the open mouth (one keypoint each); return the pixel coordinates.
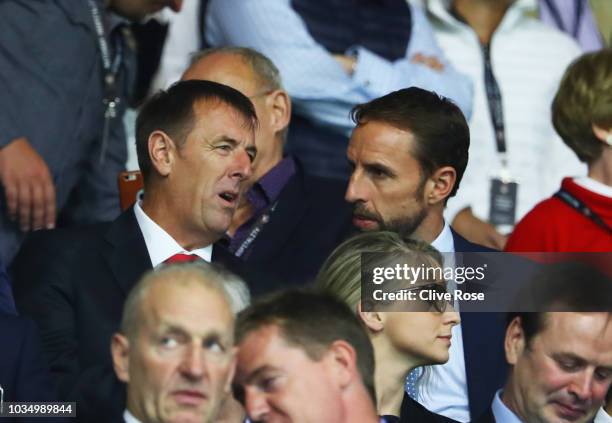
(229, 197)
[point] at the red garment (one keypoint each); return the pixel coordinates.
(554, 226)
(182, 258)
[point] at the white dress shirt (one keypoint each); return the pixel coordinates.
(501, 412)
(446, 391)
(160, 245)
(129, 417)
(602, 417)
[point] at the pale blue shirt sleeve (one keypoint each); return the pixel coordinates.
(319, 86)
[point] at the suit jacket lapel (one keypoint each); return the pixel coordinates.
(127, 255)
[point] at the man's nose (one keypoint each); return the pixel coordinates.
(582, 385)
(242, 166)
(355, 190)
(192, 365)
(256, 404)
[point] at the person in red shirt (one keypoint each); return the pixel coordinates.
(579, 216)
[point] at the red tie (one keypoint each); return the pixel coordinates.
(182, 258)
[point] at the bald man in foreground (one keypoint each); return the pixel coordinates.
(175, 349)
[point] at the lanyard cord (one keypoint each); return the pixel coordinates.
(109, 67)
(496, 109)
(585, 210)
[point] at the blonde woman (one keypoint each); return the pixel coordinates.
(402, 341)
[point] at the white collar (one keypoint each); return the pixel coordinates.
(129, 417)
(444, 243)
(594, 186)
(602, 417)
(160, 245)
(501, 412)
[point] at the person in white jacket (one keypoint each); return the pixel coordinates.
(515, 63)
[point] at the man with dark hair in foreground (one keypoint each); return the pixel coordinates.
(304, 357)
(288, 221)
(195, 145)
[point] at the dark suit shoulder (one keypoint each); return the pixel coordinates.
(413, 412)
(486, 417)
(462, 245)
(23, 372)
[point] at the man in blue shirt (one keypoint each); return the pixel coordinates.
(333, 55)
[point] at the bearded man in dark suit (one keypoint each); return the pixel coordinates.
(408, 153)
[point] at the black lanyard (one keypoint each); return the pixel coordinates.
(585, 210)
(111, 69)
(255, 230)
(556, 15)
(496, 109)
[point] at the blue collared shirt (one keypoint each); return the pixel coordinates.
(321, 89)
(501, 412)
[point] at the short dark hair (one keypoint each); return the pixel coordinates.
(567, 286)
(584, 98)
(171, 111)
(311, 321)
(441, 132)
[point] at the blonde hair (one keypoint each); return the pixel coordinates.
(341, 272)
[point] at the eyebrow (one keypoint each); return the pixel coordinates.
(212, 335)
(379, 167)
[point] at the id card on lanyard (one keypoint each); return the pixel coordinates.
(111, 70)
(503, 189)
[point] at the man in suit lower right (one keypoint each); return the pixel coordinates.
(561, 368)
(408, 153)
(559, 349)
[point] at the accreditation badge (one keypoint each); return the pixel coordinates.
(503, 195)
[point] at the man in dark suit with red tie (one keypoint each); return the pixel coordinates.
(195, 145)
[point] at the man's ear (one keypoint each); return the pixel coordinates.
(602, 134)
(161, 152)
(514, 343)
(371, 319)
(120, 351)
(440, 184)
(280, 109)
(341, 359)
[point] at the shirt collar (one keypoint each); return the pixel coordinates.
(268, 188)
(444, 242)
(129, 417)
(594, 186)
(501, 412)
(602, 417)
(160, 245)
